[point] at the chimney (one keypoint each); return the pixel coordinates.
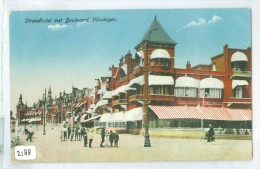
(188, 65)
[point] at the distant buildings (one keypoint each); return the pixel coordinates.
(218, 93)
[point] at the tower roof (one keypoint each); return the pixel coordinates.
(158, 34)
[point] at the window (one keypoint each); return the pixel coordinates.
(214, 67)
(210, 93)
(160, 62)
(185, 92)
(142, 62)
(161, 90)
(157, 90)
(238, 92)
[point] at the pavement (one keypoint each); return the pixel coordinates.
(131, 148)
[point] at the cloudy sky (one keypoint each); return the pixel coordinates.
(45, 50)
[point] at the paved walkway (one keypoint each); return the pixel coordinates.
(51, 149)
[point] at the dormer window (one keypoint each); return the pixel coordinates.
(239, 61)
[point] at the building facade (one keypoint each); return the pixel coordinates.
(218, 93)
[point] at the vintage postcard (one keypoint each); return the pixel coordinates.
(131, 85)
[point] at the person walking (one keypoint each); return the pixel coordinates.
(85, 139)
(64, 133)
(76, 134)
(103, 134)
(69, 131)
(211, 133)
(116, 139)
(111, 138)
(72, 134)
(90, 137)
(30, 133)
(82, 134)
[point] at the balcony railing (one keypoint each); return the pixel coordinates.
(161, 97)
(240, 100)
(162, 68)
(119, 101)
(136, 98)
(242, 73)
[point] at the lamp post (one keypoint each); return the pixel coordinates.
(146, 135)
(44, 120)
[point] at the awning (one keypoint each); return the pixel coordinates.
(236, 83)
(160, 53)
(90, 119)
(178, 112)
(102, 90)
(80, 104)
(92, 106)
(89, 110)
(138, 80)
(108, 95)
(124, 67)
(106, 117)
(185, 81)
(211, 83)
(207, 113)
(76, 118)
(238, 56)
(83, 117)
(77, 104)
(140, 53)
(100, 103)
(113, 117)
(134, 114)
(160, 80)
(68, 112)
(153, 80)
(121, 89)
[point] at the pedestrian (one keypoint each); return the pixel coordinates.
(111, 138)
(116, 139)
(85, 139)
(64, 133)
(76, 134)
(82, 132)
(79, 133)
(69, 131)
(211, 133)
(90, 137)
(103, 134)
(29, 133)
(72, 134)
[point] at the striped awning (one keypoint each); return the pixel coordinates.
(207, 113)
(90, 119)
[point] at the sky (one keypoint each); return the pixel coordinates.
(60, 55)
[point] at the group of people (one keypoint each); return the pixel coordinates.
(79, 133)
(113, 138)
(72, 133)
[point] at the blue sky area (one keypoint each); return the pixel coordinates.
(60, 54)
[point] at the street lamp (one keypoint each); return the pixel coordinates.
(146, 135)
(44, 120)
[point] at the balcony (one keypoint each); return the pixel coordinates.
(162, 69)
(136, 98)
(237, 73)
(119, 101)
(153, 97)
(233, 100)
(137, 70)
